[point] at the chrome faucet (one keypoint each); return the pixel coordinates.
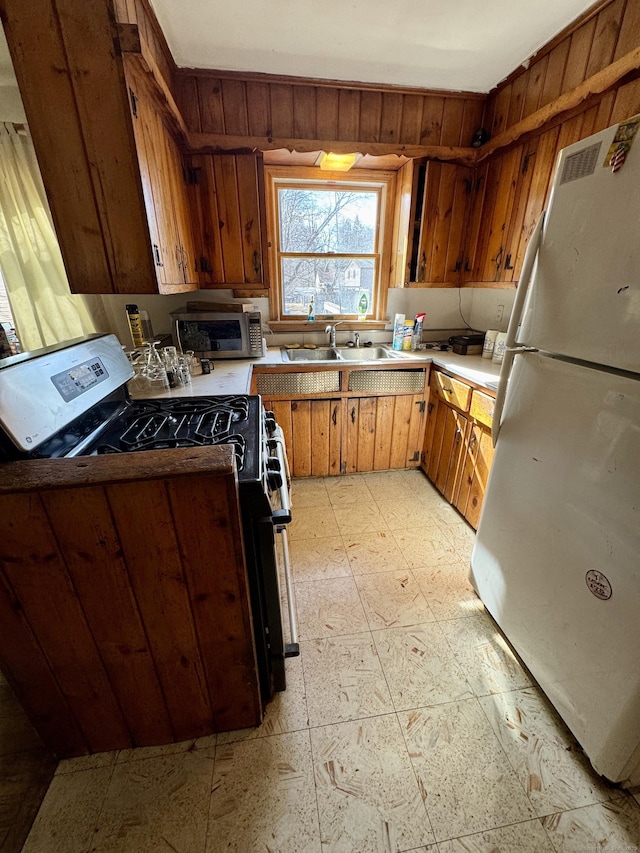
(356, 338)
(331, 330)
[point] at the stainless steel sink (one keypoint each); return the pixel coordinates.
(363, 353)
(320, 354)
(339, 354)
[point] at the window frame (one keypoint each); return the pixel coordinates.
(381, 181)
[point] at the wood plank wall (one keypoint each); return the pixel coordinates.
(602, 36)
(260, 105)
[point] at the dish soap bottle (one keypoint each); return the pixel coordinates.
(363, 306)
(312, 314)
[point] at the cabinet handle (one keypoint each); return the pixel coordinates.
(507, 263)
(353, 415)
(256, 263)
(334, 416)
(156, 253)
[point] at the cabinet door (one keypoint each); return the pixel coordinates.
(447, 191)
(444, 447)
(383, 433)
(478, 455)
(227, 201)
(497, 207)
(312, 432)
(164, 189)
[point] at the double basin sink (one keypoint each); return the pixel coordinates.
(341, 354)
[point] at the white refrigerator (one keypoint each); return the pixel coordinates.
(557, 554)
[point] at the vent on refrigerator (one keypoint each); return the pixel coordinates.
(581, 164)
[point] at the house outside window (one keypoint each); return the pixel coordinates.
(329, 242)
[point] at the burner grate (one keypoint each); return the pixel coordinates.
(165, 424)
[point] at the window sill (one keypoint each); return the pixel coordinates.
(321, 325)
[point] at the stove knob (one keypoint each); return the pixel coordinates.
(274, 475)
(270, 423)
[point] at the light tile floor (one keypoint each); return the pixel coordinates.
(408, 724)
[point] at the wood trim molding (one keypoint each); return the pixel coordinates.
(213, 143)
(598, 84)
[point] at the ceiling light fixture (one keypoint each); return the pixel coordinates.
(336, 162)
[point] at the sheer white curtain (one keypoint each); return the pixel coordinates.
(44, 310)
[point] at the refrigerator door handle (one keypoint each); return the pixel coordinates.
(516, 316)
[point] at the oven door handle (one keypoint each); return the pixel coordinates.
(282, 515)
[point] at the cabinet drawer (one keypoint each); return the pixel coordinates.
(451, 390)
(482, 406)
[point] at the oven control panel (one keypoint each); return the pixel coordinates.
(42, 392)
(82, 377)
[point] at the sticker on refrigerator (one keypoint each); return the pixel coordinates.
(622, 142)
(598, 584)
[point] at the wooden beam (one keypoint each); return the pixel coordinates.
(217, 142)
(598, 84)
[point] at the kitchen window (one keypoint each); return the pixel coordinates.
(329, 243)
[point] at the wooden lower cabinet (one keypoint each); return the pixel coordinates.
(312, 431)
(476, 464)
(383, 432)
(458, 449)
(350, 435)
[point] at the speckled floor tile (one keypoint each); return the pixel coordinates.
(316, 559)
(366, 518)
(143, 752)
(157, 804)
(470, 786)
(373, 552)
(420, 667)
(527, 837)
(448, 590)
(286, 712)
(423, 548)
(329, 608)
(309, 492)
(550, 765)
(421, 487)
(351, 489)
(343, 679)
(86, 762)
(312, 523)
(485, 656)
(70, 812)
(387, 485)
(368, 797)
(392, 599)
(613, 827)
(407, 513)
(263, 797)
(462, 536)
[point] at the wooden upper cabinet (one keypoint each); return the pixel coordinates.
(432, 205)
(76, 98)
(227, 204)
(164, 183)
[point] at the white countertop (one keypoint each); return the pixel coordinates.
(233, 376)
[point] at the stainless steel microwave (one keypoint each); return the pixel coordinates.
(217, 335)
